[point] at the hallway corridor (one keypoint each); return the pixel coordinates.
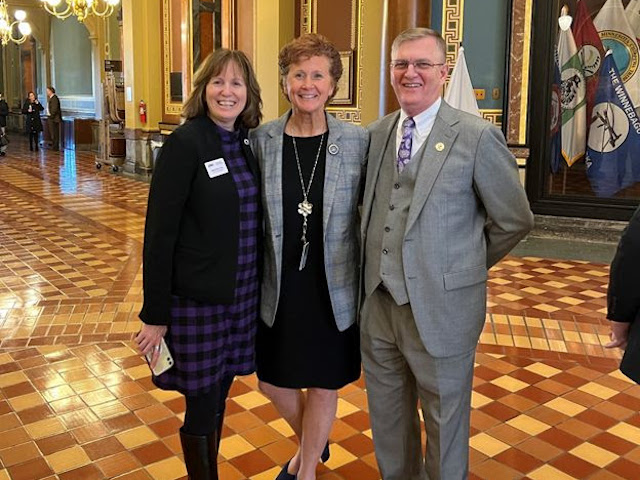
(77, 402)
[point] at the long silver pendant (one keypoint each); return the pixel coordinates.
(303, 257)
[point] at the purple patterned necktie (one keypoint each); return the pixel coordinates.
(404, 152)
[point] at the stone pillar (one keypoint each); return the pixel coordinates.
(400, 15)
(142, 61)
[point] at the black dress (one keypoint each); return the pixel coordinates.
(304, 348)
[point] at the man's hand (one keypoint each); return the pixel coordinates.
(619, 335)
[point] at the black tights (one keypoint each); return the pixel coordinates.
(205, 410)
(33, 140)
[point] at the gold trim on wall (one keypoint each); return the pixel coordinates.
(452, 28)
(170, 107)
(453, 33)
(526, 56)
(308, 24)
(494, 115)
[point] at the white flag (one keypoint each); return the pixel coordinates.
(618, 36)
(633, 15)
(573, 95)
(460, 92)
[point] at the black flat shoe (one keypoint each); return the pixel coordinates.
(325, 453)
(284, 475)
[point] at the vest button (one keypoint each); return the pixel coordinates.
(385, 251)
(396, 186)
(387, 229)
(391, 207)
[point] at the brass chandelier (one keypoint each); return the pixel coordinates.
(63, 9)
(7, 27)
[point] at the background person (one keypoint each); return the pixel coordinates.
(33, 124)
(201, 250)
(312, 169)
(55, 118)
(623, 296)
(4, 112)
(442, 204)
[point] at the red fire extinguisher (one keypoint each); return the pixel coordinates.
(142, 107)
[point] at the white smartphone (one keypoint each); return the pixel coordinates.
(165, 360)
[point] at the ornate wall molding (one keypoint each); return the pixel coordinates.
(309, 24)
(519, 65)
(452, 27)
(492, 115)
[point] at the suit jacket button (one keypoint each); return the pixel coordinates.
(391, 207)
(396, 186)
(387, 229)
(385, 251)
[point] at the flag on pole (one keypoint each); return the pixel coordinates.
(614, 136)
(573, 94)
(556, 119)
(460, 92)
(590, 51)
(633, 15)
(617, 35)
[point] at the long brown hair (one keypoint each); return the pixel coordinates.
(216, 61)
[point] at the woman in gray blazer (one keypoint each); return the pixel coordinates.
(312, 168)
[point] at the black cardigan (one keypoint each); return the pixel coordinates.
(623, 296)
(191, 231)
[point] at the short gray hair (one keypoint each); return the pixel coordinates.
(416, 34)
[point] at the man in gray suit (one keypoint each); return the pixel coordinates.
(442, 204)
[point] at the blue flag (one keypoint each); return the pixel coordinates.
(613, 148)
(555, 129)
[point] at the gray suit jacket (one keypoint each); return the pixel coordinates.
(346, 156)
(468, 211)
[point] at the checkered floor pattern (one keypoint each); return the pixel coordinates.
(76, 401)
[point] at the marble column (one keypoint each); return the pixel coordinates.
(400, 15)
(142, 46)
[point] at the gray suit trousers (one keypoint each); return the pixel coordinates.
(398, 372)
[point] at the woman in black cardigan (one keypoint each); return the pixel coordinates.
(201, 252)
(32, 108)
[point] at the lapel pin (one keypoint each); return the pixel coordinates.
(333, 149)
(439, 146)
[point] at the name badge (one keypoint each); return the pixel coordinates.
(216, 167)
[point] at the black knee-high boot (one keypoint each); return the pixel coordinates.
(200, 455)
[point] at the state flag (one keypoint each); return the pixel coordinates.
(460, 92)
(573, 93)
(633, 15)
(618, 36)
(614, 135)
(590, 50)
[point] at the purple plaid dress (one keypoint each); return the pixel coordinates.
(210, 342)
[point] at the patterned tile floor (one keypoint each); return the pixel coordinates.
(76, 401)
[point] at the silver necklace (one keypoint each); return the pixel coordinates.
(305, 207)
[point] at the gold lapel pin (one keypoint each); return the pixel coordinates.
(439, 146)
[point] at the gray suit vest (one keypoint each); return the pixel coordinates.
(387, 224)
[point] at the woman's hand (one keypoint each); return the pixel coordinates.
(148, 340)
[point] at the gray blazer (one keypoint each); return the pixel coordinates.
(346, 156)
(468, 211)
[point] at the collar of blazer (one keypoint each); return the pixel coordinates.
(435, 150)
(271, 163)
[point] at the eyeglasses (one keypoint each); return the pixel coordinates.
(422, 65)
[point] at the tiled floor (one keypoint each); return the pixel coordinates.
(76, 401)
